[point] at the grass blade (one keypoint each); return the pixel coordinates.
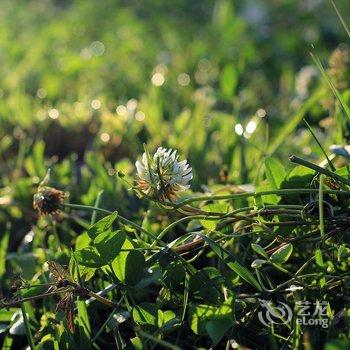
(336, 93)
(341, 18)
(229, 260)
(27, 327)
(319, 144)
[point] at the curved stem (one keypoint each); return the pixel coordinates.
(105, 211)
(320, 170)
(130, 223)
(281, 192)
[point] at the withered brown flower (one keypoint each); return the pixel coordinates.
(48, 200)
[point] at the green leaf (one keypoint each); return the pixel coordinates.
(320, 263)
(136, 343)
(282, 254)
(228, 80)
(298, 177)
(219, 207)
(146, 313)
(7, 314)
(90, 257)
(275, 172)
(216, 329)
(319, 258)
(102, 225)
(211, 320)
(174, 274)
(257, 263)
(128, 266)
(343, 252)
(206, 283)
(82, 241)
(109, 243)
(84, 326)
(35, 163)
(169, 320)
(3, 250)
(260, 250)
(229, 260)
(85, 273)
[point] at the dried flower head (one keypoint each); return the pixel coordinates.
(162, 176)
(48, 200)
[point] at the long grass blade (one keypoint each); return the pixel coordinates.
(341, 18)
(319, 144)
(335, 91)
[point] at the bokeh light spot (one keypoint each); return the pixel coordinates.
(239, 129)
(122, 111)
(140, 116)
(96, 104)
(158, 79)
(54, 113)
(183, 79)
(105, 137)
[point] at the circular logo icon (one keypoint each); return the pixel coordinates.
(274, 314)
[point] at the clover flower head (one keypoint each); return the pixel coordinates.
(163, 175)
(48, 200)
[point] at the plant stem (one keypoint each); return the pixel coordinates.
(307, 164)
(285, 192)
(98, 333)
(120, 218)
(175, 223)
(130, 223)
(320, 206)
(319, 144)
(97, 203)
(101, 299)
(22, 300)
(27, 327)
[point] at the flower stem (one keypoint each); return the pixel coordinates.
(130, 223)
(27, 327)
(281, 192)
(105, 211)
(120, 218)
(307, 164)
(101, 299)
(320, 206)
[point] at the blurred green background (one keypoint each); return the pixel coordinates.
(85, 83)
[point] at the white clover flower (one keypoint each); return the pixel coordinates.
(163, 175)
